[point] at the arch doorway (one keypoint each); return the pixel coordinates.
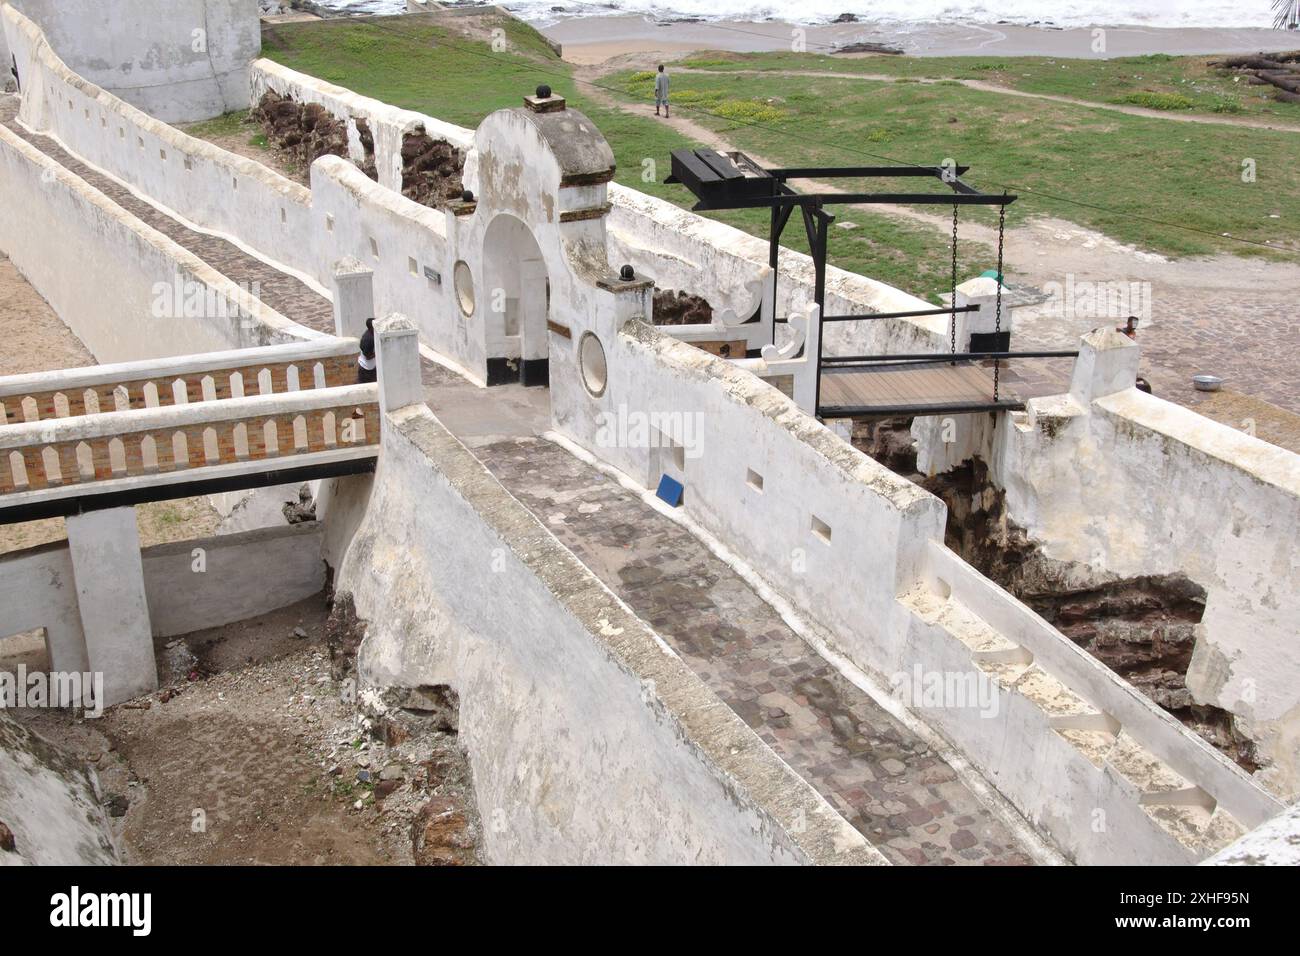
(516, 304)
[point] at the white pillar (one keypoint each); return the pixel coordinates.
(109, 574)
(397, 346)
(354, 297)
(982, 292)
(1107, 363)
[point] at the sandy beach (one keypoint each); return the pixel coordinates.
(595, 39)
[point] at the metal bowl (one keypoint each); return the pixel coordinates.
(1207, 383)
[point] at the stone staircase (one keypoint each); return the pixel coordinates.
(1120, 783)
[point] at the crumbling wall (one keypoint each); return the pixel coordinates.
(305, 131)
(1132, 486)
(681, 308)
(431, 169)
(1142, 626)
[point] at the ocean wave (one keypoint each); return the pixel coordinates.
(1068, 13)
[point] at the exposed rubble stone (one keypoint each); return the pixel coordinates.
(304, 509)
(443, 834)
(368, 145)
(680, 308)
(431, 169)
(1143, 628)
(305, 132)
(343, 634)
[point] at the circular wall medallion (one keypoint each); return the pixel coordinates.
(463, 280)
(591, 359)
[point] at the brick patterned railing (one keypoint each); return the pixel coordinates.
(40, 455)
(188, 379)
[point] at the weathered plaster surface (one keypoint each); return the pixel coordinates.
(179, 60)
(1276, 843)
(48, 801)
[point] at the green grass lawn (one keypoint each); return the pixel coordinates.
(1185, 83)
(1182, 173)
(1139, 169)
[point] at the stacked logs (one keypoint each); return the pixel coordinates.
(1279, 70)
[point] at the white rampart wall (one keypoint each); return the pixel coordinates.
(409, 238)
(190, 585)
(590, 741)
(110, 296)
(178, 60)
(1131, 484)
(734, 433)
(203, 183)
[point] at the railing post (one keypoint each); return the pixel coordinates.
(354, 297)
(1107, 363)
(397, 345)
(981, 292)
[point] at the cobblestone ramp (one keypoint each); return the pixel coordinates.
(879, 775)
(287, 295)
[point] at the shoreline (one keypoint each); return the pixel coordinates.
(590, 40)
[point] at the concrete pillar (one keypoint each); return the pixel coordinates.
(1107, 363)
(354, 297)
(109, 574)
(981, 291)
(397, 346)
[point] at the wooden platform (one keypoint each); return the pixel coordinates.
(910, 388)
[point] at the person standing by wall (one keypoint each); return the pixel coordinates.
(366, 363)
(661, 91)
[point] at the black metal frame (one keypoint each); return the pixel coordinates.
(88, 498)
(734, 181)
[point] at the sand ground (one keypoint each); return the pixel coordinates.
(594, 39)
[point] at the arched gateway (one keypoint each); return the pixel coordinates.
(533, 274)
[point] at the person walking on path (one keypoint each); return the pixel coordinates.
(661, 91)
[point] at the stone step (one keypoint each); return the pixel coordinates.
(1180, 807)
(1185, 811)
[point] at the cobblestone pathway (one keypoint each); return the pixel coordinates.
(879, 775)
(287, 295)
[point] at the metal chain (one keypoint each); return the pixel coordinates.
(952, 303)
(997, 310)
